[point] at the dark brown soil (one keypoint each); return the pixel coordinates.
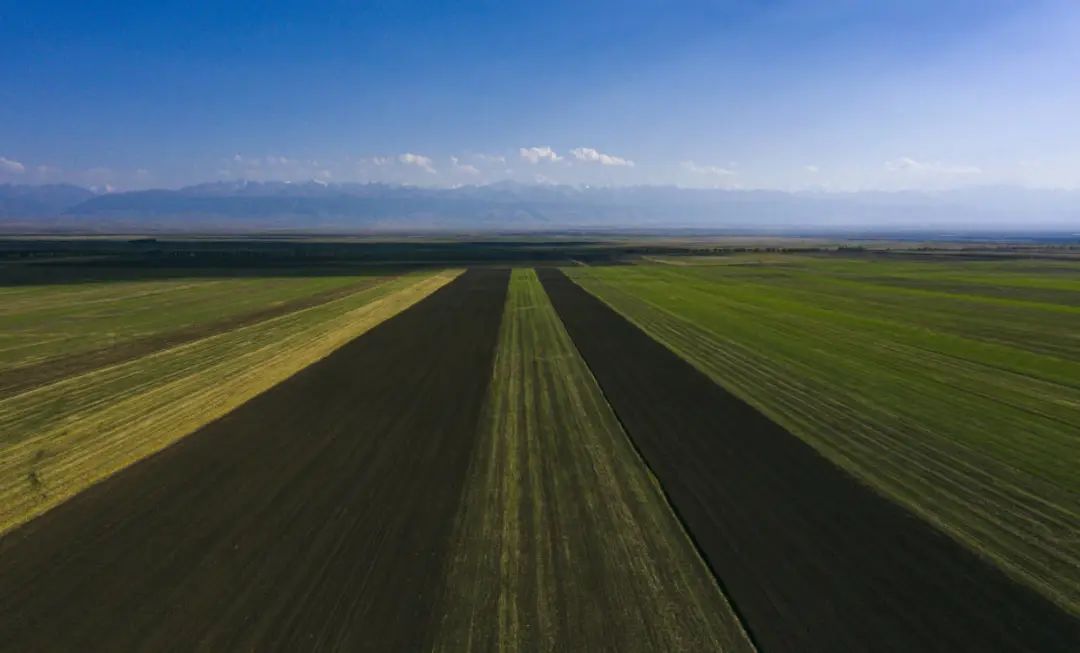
(20, 379)
(812, 559)
(316, 516)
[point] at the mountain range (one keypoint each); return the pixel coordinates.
(508, 206)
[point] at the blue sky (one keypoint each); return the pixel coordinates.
(837, 95)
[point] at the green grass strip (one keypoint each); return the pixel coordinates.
(565, 540)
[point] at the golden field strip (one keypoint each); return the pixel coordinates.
(58, 439)
(564, 539)
(952, 387)
(44, 322)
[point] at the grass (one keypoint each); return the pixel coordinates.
(952, 387)
(58, 439)
(42, 322)
(565, 540)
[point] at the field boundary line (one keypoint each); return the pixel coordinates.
(687, 533)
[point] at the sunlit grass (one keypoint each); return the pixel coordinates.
(561, 520)
(952, 387)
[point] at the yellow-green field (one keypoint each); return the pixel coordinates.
(565, 540)
(43, 322)
(58, 439)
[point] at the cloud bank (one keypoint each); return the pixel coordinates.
(11, 166)
(418, 160)
(590, 155)
(535, 155)
(713, 171)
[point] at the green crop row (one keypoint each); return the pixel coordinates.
(564, 539)
(953, 388)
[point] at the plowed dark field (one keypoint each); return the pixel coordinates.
(812, 559)
(315, 516)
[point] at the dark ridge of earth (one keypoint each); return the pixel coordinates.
(315, 516)
(812, 559)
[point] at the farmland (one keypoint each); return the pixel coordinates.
(783, 527)
(561, 523)
(460, 447)
(951, 387)
(61, 437)
(48, 332)
(257, 525)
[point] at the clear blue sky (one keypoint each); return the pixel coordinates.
(840, 94)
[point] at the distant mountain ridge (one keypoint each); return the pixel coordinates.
(47, 200)
(246, 205)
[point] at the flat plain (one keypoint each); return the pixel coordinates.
(565, 541)
(813, 560)
(218, 445)
(59, 438)
(950, 386)
(50, 331)
(316, 516)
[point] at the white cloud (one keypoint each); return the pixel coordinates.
(466, 168)
(538, 154)
(812, 169)
(590, 155)
(490, 158)
(909, 165)
(714, 171)
(418, 160)
(11, 166)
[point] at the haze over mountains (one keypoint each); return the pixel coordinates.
(509, 206)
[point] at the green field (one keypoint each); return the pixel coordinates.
(55, 330)
(517, 468)
(951, 386)
(565, 540)
(59, 438)
(47, 321)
